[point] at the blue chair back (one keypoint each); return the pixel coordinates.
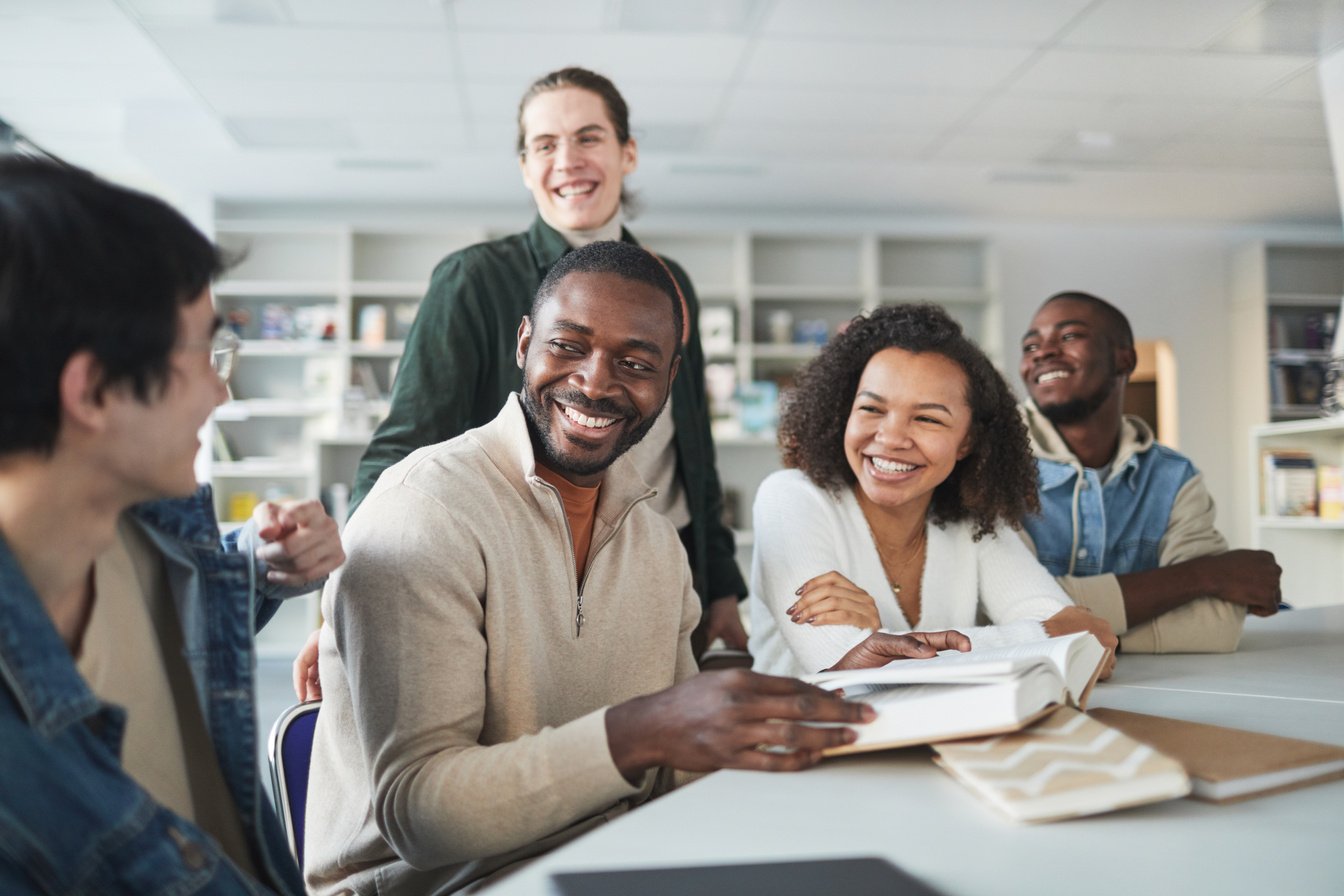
(291, 748)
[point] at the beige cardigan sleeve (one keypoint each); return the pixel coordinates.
(1206, 624)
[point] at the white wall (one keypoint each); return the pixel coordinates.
(1172, 284)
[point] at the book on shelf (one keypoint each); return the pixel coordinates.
(958, 695)
(1288, 481)
(1065, 766)
(1229, 764)
(1330, 491)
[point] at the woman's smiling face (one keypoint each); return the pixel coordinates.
(909, 425)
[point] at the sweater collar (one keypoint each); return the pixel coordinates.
(507, 441)
(549, 245)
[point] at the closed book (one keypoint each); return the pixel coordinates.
(1064, 766)
(957, 695)
(1227, 764)
(862, 876)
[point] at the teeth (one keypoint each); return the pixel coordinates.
(591, 422)
(1052, 376)
(890, 466)
(567, 192)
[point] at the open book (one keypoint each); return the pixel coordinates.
(957, 695)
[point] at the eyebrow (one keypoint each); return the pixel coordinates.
(586, 129)
(924, 406)
(1063, 323)
(646, 345)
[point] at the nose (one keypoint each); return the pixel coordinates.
(567, 155)
(593, 377)
(892, 432)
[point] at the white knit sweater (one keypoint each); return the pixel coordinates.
(803, 530)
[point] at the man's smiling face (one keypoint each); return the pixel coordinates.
(598, 360)
(1070, 364)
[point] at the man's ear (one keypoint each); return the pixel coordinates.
(1126, 359)
(676, 366)
(82, 391)
(524, 340)
(629, 157)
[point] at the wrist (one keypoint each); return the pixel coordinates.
(632, 739)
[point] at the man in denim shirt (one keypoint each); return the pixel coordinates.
(1126, 523)
(113, 583)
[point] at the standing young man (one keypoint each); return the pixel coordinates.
(113, 582)
(1126, 523)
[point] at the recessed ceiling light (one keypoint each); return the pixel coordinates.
(1095, 139)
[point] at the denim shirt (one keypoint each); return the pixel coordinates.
(71, 820)
(1087, 527)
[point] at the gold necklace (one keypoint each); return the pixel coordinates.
(901, 570)
(886, 562)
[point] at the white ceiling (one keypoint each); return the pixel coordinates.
(1195, 110)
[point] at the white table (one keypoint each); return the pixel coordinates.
(1287, 678)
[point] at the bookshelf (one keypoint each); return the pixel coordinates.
(1310, 549)
(323, 307)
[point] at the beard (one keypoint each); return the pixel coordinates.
(1076, 410)
(547, 443)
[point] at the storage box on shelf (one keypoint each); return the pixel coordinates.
(1310, 549)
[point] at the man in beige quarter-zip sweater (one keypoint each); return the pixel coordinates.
(488, 694)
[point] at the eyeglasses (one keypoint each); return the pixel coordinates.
(586, 141)
(224, 354)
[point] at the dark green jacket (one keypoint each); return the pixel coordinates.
(459, 367)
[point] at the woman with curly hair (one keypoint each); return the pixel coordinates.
(909, 470)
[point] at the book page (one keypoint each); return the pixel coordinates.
(989, 665)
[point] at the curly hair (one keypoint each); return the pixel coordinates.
(995, 483)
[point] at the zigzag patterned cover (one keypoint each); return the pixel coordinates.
(1066, 765)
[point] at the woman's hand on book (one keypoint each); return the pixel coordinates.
(832, 599)
(881, 648)
(1079, 619)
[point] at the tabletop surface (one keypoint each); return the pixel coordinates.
(1286, 678)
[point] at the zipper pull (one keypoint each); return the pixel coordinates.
(578, 618)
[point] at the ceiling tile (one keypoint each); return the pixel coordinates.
(924, 21)
(497, 15)
(1157, 24)
(1149, 118)
(333, 97)
(295, 52)
(82, 43)
(111, 83)
(261, 132)
(996, 149)
(724, 16)
(387, 13)
(771, 144)
(625, 58)
(1304, 87)
(808, 107)
(876, 64)
(652, 102)
(401, 136)
(1157, 74)
(1288, 157)
(1268, 123)
(1283, 27)
(99, 10)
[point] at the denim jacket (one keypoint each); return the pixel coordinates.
(1087, 527)
(71, 820)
